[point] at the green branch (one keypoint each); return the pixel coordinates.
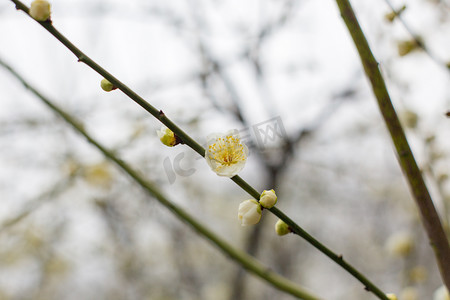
(245, 260)
(296, 229)
(429, 215)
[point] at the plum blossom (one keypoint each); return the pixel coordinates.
(226, 154)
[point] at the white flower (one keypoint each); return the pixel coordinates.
(441, 294)
(225, 153)
(281, 228)
(40, 10)
(249, 212)
(268, 199)
(166, 136)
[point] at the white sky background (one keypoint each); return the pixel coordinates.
(152, 46)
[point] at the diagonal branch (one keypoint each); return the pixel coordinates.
(248, 262)
(296, 229)
(429, 215)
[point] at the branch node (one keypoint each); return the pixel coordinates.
(178, 140)
(81, 58)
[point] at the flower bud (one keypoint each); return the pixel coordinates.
(249, 212)
(167, 136)
(392, 15)
(40, 10)
(409, 119)
(281, 228)
(408, 46)
(391, 296)
(268, 199)
(106, 85)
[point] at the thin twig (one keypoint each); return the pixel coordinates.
(419, 42)
(296, 229)
(429, 215)
(239, 256)
(33, 205)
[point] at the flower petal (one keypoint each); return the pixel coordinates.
(225, 153)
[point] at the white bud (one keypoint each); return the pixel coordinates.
(40, 10)
(249, 212)
(268, 199)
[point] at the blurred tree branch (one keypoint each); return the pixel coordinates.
(129, 263)
(416, 38)
(439, 180)
(285, 152)
(159, 115)
(248, 262)
(430, 217)
(58, 188)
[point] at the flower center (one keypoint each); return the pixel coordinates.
(227, 151)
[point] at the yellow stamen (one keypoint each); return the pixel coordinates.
(227, 151)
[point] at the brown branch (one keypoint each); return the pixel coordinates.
(429, 215)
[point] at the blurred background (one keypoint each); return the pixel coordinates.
(284, 73)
